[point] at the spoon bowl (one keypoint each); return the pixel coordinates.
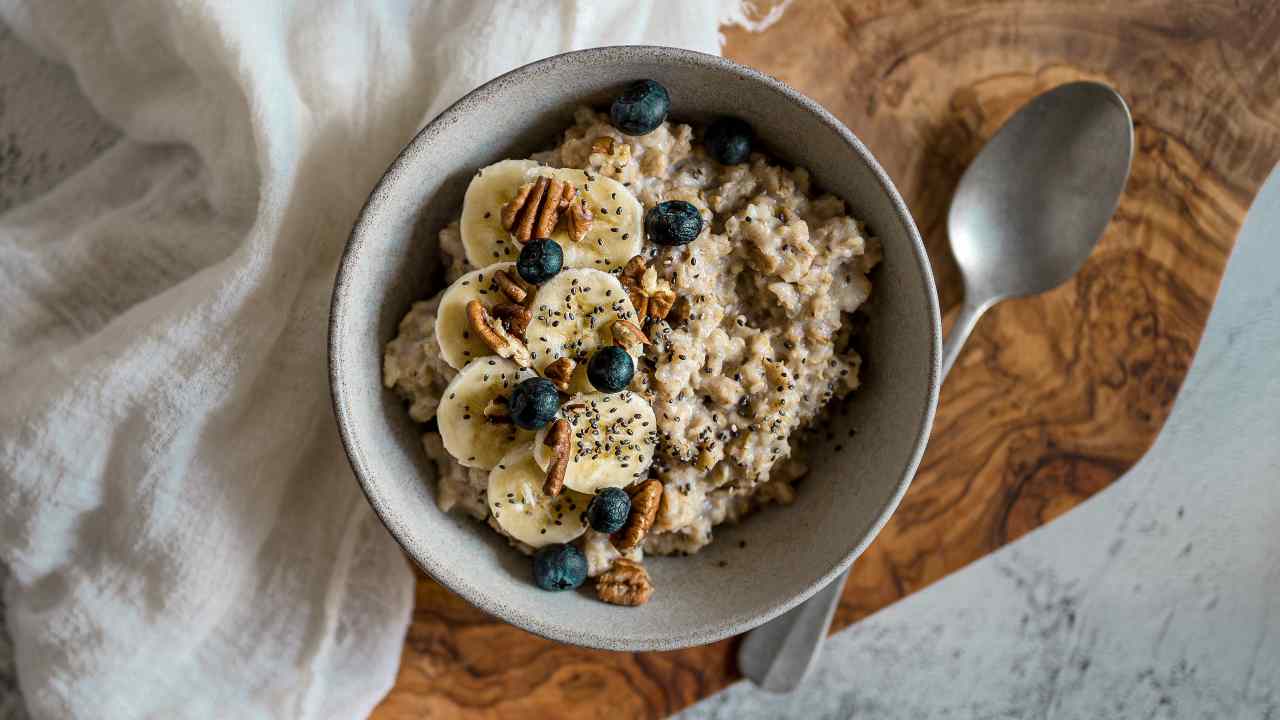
(1033, 204)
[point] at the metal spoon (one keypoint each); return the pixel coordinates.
(1024, 218)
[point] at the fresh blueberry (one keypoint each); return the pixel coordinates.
(609, 509)
(559, 567)
(674, 222)
(641, 108)
(610, 369)
(728, 140)
(533, 403)
(540, 260)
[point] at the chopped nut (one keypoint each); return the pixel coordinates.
(649, 281)
(558, 439)
(560, 373)
(627, 334)
(660, 303)
(517, 317)
(645, 499)
(634, 268)
(579, 220)
(626, 583)
(641, 303)
(602, 144)
(496, 411)
(513, 286)
(651, 297)
(495, 336)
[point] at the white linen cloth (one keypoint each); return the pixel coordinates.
(183, 531)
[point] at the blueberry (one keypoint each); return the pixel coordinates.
(674, 222)
(641, 108)
(540, 260)
(559, 567)
(533, 403)
(728, 140)
(609, 509)
(610, 369)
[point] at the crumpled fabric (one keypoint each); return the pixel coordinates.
(184, 534)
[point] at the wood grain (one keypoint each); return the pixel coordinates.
(1055, 396)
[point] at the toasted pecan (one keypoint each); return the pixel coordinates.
(513, 286)
(645, 499)
(560, 373)
(517, 317)
(627, 334)
(495, 336)
(625, 583)
(558, 439)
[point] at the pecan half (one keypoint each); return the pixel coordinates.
(626, 583)
(528, 208)
(645, 499)
(513, 286)
(627, 334)
(550, 209)
(558, 440)
(512, 209)
(660, 304)
(517, 317)
(560, 373)
(496, 411)
(494, 335)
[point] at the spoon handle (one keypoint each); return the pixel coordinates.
(964, 324)
(777, 655)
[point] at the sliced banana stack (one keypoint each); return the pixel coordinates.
(521, 509)
(614, 234)
(573, 314)
(612, 438)
(471, 412)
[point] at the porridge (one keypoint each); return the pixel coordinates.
(639, 324)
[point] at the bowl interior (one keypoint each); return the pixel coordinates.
(856, 479)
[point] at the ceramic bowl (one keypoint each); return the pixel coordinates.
(855, 480)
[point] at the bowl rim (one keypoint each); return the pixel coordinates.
(719, 629)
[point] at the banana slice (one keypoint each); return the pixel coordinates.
(458, 344)
(573, 314)
(523, 511)
(617, 227)
(466, 432)
(483, 237)
(613, 437)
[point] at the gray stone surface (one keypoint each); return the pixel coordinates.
(47, 132)
(1157, 598)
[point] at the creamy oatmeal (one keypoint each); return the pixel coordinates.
(745, 338)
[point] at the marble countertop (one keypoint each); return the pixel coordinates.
(1158, 597)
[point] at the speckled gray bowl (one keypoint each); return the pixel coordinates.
(391, 261)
